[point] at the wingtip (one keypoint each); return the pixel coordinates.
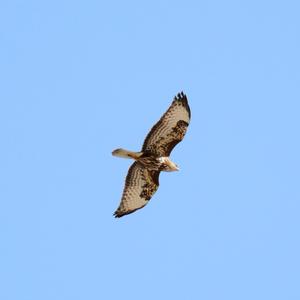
(120, 213)
(117, 214)
(183, 99)
(181, 96)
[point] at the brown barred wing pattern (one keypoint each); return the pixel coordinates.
(170, 129)
(140, 185)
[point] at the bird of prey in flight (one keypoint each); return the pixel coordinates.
(142, 177)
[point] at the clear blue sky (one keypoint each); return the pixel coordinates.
(80, 78)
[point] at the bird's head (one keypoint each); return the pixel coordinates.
(174, 167)
(170, 166)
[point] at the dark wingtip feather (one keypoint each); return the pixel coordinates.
(183, 99)
(180, 96)
(119, 214)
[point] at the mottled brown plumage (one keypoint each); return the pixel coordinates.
(142, 179)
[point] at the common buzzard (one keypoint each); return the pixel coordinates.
(142, 178)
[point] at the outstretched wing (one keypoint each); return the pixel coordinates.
(140, 185)
(170, 129)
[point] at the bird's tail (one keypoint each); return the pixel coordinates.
(127, 154)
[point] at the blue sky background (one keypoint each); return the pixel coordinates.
(80, 78)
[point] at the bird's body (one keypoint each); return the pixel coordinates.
(162, 163)
(148, 160)
(142, 178)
